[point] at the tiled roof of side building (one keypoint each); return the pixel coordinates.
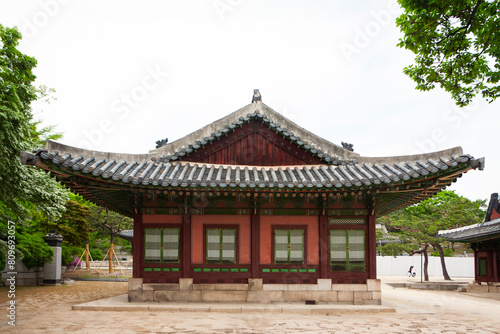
(474, 232)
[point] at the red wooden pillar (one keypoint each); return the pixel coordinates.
(476, 265)
(495, 266)
(137, 247)
(186, 246)
(372, 248)
(324, 258)
(255, 245)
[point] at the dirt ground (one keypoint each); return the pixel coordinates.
(46, 309)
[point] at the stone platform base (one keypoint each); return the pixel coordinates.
(256, 292)
(484, 287)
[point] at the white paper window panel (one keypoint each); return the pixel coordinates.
(356, 239)
(281, 239)
(337, 240)
(296, 255)
(296, 240)
(228, 254)
(153, 253)
(153, 237)
(282, 255)
(228, 239)
(337, 255)
(213, 254)
(213, 239)
(174, 253)
(170, 238)
(354, 255)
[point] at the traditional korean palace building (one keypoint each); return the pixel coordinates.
(484, 239)
(253, 208)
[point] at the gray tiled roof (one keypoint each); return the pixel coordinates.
(184, 174)
(472, 232)
(323, 149)
(126, 234)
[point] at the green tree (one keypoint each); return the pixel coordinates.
(417, 226)
(20, 183)
(456, 44)
(26, 192)
(73, 224)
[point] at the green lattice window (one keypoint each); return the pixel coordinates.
(347, 250)
(483, 268)
(161, 245)
(221, 245)
(289, 246)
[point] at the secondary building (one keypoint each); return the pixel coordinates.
(484, 239)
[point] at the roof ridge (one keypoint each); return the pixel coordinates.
(323, 149)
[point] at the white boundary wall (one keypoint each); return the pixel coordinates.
(399, 265)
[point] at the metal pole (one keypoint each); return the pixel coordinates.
(421, 266)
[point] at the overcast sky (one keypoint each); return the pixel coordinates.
(128, 73)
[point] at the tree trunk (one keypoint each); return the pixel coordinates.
(443, 264)
(426, 264)
(111, 251)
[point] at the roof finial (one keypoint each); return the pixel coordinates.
(161, 142)
(348, 146)
(256, 96)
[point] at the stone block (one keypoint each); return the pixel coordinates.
(377, 295)
(361, 296)
(324, 284)
(265, 296)
(186, 296)
(302, 296)
(134, 284)
(223, 296)
(255, 284)
(345, 296)
(163, 295)
(373, 285)
(225, 309)
(477, 288)
(220, 287)
(349, 287)
(493, 289)
(140, 296)
(275, 287)
(160, 286)
(302, 287)
(185, 284)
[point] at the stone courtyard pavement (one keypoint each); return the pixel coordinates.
(49, 310)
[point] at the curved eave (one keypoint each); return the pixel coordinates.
(396, 183)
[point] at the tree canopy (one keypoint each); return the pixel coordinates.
(18, 132)
(418, 226)
(457, 46)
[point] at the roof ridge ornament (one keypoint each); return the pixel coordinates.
(256, 96)
(161, 142)
(348, 146)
